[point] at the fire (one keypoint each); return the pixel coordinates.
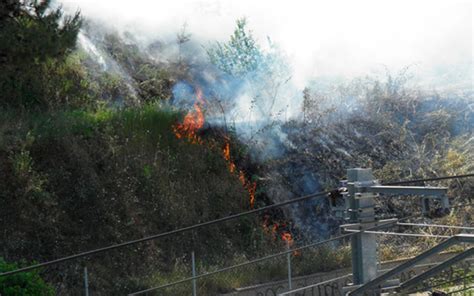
(188, 129)
(279, 230)
(274, 231)
(226, 152)
(288, 238)
(242, 177)
(193, 121)
(251, 187)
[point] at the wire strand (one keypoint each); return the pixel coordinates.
(430, 179)
(200, 225)
(164, 234)
(400, 234)
(265, 258)
(436, 226)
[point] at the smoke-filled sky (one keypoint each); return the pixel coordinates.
(330, 38)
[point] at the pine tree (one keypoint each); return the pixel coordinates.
(34, 39)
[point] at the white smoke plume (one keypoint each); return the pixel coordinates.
(321, 38)
(322, 44)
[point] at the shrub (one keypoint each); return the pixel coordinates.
(25, 283)
(34, 42)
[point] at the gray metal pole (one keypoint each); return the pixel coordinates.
(465, 270)
(86, 282)
(193, 260)
(288, 260)
(363, 245)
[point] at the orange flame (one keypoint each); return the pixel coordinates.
(274, 231)
(279, 230)
(242, 177)
(188, 129)
(226, 152)
(251, 187)
(288, 238)
(193, 121)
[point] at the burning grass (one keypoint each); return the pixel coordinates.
(193, 121)
(189, 129)
(78, 180)
(250, 186)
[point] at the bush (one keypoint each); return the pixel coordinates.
(78, 180)
(25, 283)
(34, 42)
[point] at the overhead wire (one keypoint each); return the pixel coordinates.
(436, 226)
(264, 258)
(401, 234)
(204, 224)
(164, 234)
(430, 179)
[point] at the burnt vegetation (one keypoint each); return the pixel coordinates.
(400, 132)
(89, 156)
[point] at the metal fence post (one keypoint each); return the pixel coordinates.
(193, 261)
(363, 245)
(288, 259)
(86, 282)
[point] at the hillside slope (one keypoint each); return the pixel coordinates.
(74, 181)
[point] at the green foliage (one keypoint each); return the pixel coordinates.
(112, 175)
(24, 284)
(263, 72)
(31, 182)
(155, 83)
(131, 78)
(67, 84)
(34, 43)
(240, 56)
(305, 262)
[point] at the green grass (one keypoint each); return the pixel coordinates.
(80, 179)
(306, 262)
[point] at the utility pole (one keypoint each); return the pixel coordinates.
(359, 211)
(193, 262)
(288, 261)
(86, 282)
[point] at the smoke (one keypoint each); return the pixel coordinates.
(315, 44)
(92, 50)
(330, 38)
(312, 44)
(318, 43)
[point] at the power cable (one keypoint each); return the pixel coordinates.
(400, 233)
(200, 225)
(264, 258)
(436, 226)
(430, 179)
(165, 234)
